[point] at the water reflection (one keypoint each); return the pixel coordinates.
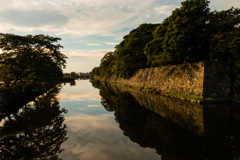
(34, 131)
(176, 130)
(93, 132)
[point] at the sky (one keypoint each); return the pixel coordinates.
(88, 28)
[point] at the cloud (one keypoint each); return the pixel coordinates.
(74, 17)
(91, 44)
(111, 43)
(106, 35)
(87, 54)
(82, 18)
(166, 10)
(33, 18)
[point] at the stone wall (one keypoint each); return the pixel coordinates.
(201, 79)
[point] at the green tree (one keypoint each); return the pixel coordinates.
(129, 53)
(182, 36)
(30, 60)
(105, 65)
(154, 48)
(225, 33)
(72, 75)
(95, 71)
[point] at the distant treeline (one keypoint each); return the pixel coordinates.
(190, 34)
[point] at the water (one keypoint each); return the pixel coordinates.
(104, 121)
(93, 132)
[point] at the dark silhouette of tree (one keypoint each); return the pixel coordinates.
(30, 60)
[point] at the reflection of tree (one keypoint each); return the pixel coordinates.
(36, 131)
(96, 84)
(73, 83)
(171, 140)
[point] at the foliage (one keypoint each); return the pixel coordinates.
(95, 71)
(105, 69)
(182, 36)
(30, 60)
(72, 75)
(225, 33)
(129, 53)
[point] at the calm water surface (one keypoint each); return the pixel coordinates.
(107, 121)
(93, 131)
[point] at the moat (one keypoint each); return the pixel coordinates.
(92, 120)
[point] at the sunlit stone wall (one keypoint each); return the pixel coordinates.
(198, 79)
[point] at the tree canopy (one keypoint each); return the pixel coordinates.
(182, 36)
(30, 60)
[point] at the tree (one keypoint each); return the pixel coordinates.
(154, 48)
(31, 60)
(105, 65)
(182, 36)
(130, 54)
(225, 32)
(95, 71)
(72, 75)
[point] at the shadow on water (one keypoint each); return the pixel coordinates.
(33, 130)
(178, 130)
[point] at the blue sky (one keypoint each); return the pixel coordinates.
(88, 28)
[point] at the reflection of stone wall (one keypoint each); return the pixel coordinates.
(199, 79)
(186, 114)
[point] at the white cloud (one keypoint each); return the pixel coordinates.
(82, 18)
(73, 17)
(166, 10)
(106, 35)
(111, 43)
(87, 54)
(91, 44)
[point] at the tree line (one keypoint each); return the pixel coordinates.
(192, 33)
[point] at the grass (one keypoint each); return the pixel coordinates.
(204, 98)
